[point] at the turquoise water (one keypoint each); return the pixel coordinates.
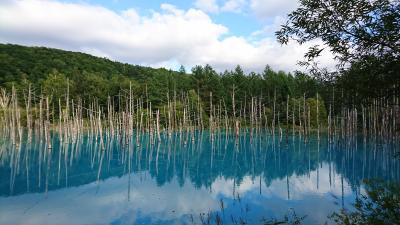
(185, 180)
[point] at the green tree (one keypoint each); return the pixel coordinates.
(362, 34)
(56, 85)
(352, 29)
(379, 206)
(182, 70)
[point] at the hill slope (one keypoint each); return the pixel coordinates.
(51, 70)
(37, 62)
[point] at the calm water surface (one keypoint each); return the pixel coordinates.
(185, 182)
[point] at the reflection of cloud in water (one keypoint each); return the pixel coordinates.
(89, 204)
(299, 186)
(108, 202)
(305, 196)
(174, 182)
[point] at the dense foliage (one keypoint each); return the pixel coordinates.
(380, 205)
(362, 34)
(54, 72)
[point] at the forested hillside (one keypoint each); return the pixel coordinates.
(52, 71)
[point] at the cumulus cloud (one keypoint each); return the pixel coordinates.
(233, 6)
(167, 37)
(213, 6)
(207, 5)
(271, 8)
(269, 29)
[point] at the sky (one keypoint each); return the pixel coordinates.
(160, 33)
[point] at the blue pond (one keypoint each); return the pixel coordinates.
(182, 180)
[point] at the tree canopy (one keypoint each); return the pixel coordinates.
(51, 71)
(364, 36)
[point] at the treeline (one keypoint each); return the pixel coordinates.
(53, 72)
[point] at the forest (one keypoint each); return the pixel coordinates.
(51, 71)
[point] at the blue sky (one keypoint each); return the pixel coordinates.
(159, 33)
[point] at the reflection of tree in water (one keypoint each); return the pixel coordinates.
(368, 161)
(37, 168)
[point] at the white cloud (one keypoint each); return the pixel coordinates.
(270, 8)
(207, 5)
(214, 6)
(167, 37)
(233, 6)
(172, 9)
(270, 28)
